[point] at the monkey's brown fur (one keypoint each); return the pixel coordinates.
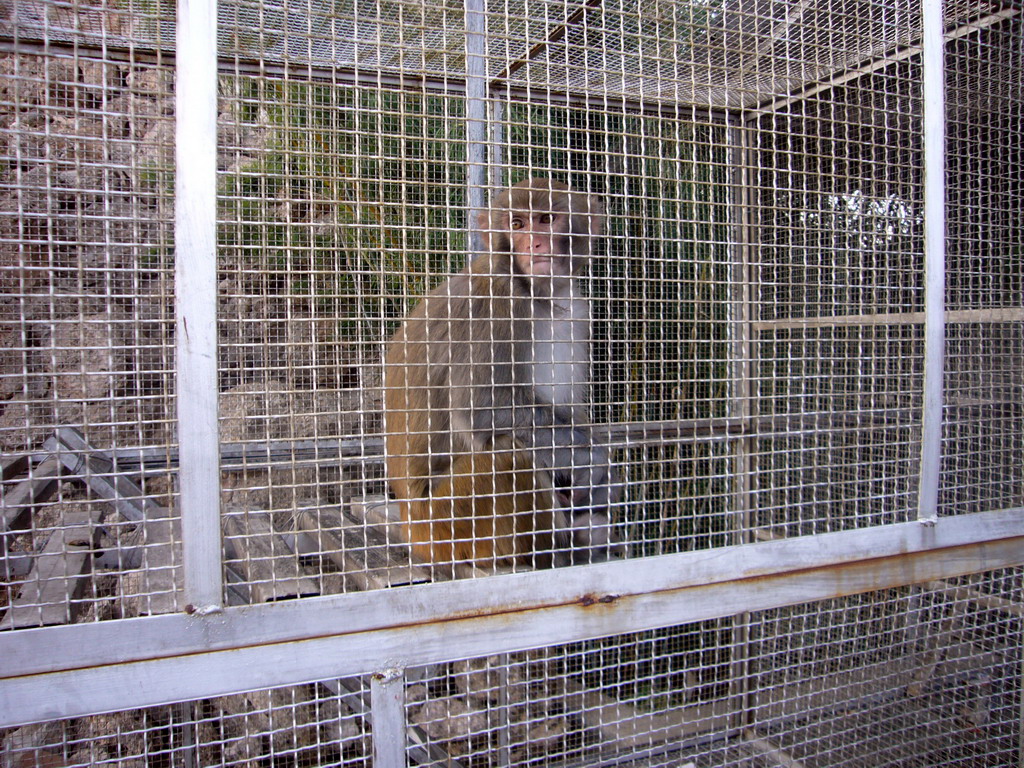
(454, 402)
(495, 508)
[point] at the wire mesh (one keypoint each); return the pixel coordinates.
(924, 675)
(313, 724)
(985, 387)
(577, 704)
(755, 358)
(87, 368)
(907, 677)
(919, 676)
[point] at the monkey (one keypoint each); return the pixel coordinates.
(486, 385)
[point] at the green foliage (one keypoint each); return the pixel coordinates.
(352, 200)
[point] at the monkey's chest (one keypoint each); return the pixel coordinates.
(559, 355)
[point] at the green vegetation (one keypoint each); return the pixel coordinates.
(352, 201)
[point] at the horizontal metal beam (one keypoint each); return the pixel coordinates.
(965, 316)
(329, 452)
(162, 659)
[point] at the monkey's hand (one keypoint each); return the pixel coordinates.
(582, 471)
(587, 485)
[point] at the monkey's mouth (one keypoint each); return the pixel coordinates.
(541, 264)
(545, 265)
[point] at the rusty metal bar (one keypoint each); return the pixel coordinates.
(163, 659)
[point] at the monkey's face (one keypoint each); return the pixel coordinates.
(546, 229)
(541, 243)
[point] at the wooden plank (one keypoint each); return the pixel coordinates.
(769, 750)
(387, 551)
(263, 559)
(95, 469)
(624, 725)
(324, 537)
(12, 467)
(13, 565)
(58, 575)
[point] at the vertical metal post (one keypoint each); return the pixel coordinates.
(185, 749)
(387, 708)
(196, 302)
(496, 144)
(741, 368)
(741, 387)
(934, 256)
(476, 113)
(504, 728)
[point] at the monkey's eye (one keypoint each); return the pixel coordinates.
(517, 223)
(546, 218)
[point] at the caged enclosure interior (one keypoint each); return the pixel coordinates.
(807, 363)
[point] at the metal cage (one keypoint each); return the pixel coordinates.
(807, 361)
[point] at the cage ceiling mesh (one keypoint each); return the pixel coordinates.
(709, 53)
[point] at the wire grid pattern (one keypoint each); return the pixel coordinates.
(924, 675)
(985, 368)
(918, 676)
(838, 272)
(341, 218)
(297, 725)
(758, 355)
(87, 305)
